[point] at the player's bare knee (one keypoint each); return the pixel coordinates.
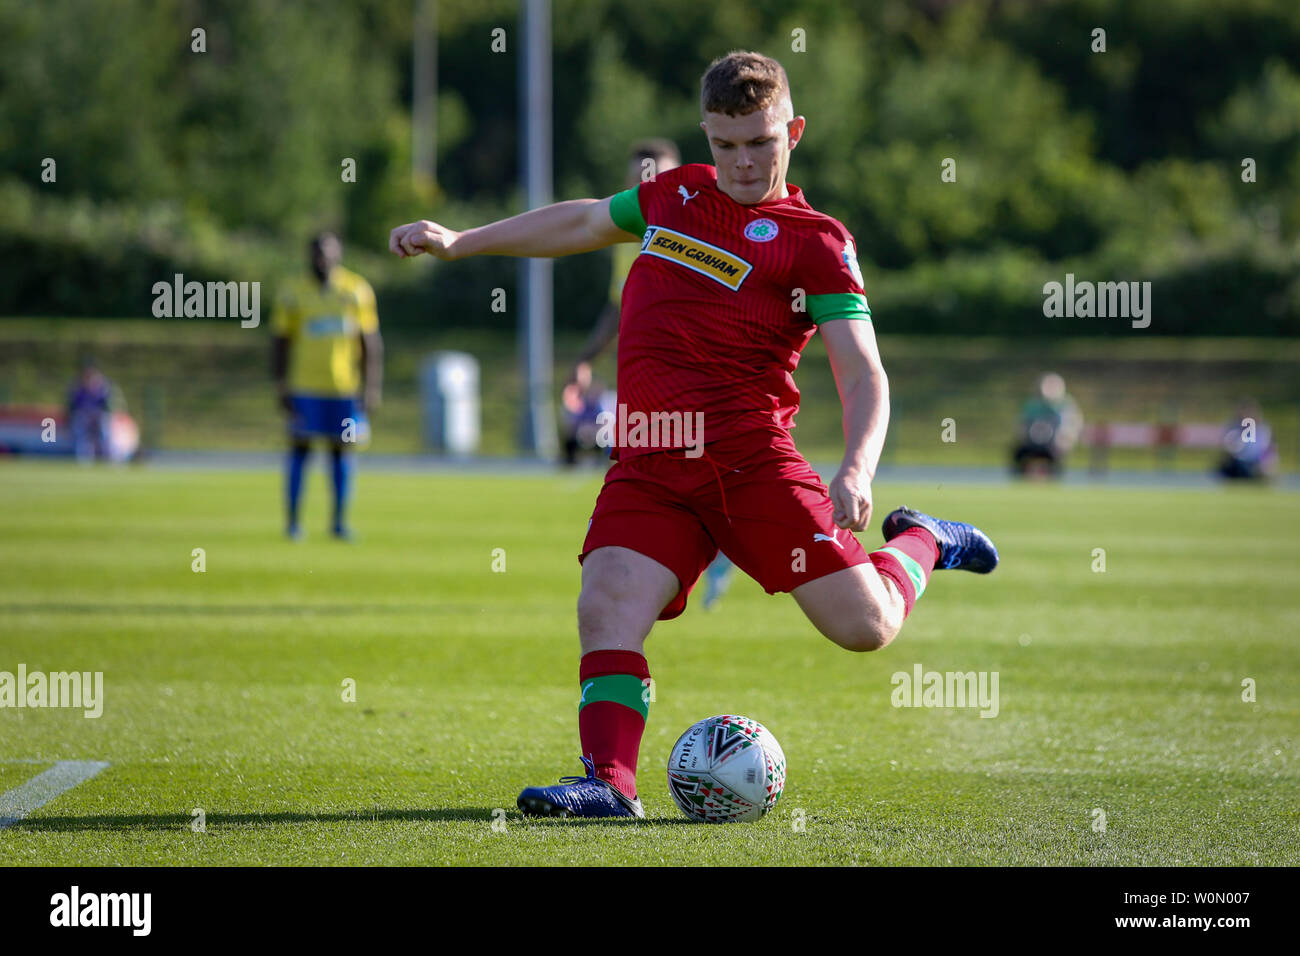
(861, 638)
(849, 608)
(877, 626)
(868, 632)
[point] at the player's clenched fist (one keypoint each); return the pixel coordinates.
(851, 497)
(423, 236)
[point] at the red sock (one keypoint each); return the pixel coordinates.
(612, 713)
(908, 561)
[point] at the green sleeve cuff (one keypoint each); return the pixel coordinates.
(839, 305)
(625, 210)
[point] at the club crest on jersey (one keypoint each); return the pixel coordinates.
(761, 230)
(695, 254)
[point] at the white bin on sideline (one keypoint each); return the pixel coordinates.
(449, 398)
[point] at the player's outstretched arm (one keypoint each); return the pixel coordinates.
(561, 229)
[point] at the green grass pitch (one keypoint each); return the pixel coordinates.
(1121, 693)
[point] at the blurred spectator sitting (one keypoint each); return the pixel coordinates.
(1248, 447)
(1050, 424)
(90, 403)
(584, 400)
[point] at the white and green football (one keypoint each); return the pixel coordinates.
(726, 769)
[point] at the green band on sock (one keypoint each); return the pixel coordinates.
(910, 566)
(625, 689)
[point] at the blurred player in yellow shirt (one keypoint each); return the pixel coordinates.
(328, 365)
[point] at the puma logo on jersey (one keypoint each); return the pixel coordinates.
(832, 538)
(687, 196)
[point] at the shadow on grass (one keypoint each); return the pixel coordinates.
(174, 821)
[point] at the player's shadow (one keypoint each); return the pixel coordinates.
(181, 821)
(172, 821)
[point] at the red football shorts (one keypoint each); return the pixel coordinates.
(753, 496)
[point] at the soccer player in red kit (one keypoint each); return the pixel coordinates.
(736, 273)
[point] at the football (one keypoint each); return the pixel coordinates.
(726, 769)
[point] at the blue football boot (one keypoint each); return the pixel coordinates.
(962, 546)
(587, 796)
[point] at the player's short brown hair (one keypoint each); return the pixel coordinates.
(741, 82)
(656, 149)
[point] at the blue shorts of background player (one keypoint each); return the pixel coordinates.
(343, 423)
(340, 420)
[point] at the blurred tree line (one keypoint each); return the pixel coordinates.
(1128, 164)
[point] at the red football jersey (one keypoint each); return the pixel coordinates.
(718, 306)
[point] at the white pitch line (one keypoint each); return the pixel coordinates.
(44, 787)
